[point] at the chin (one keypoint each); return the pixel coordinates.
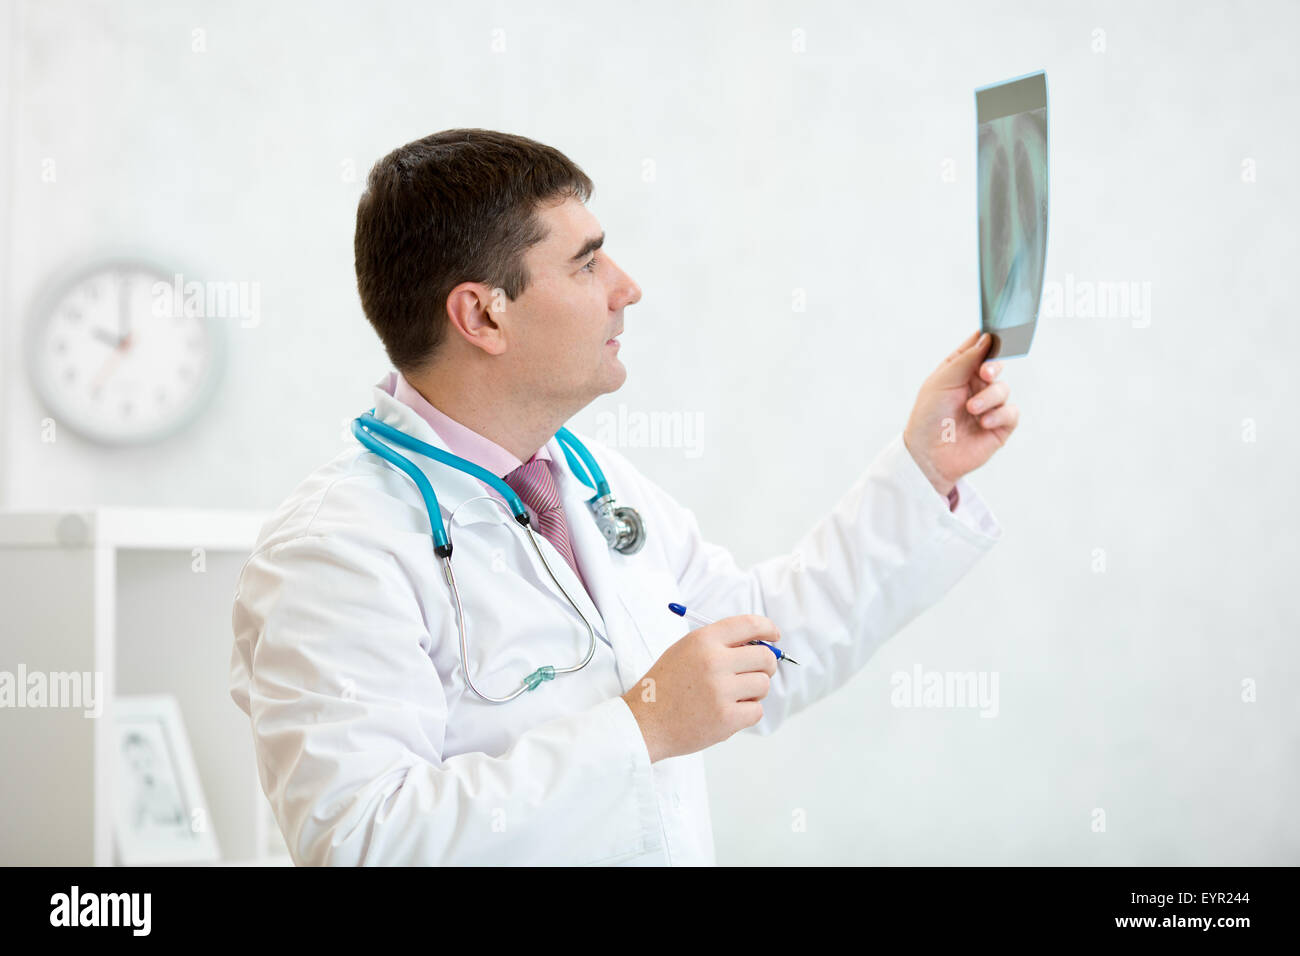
(619, 376)
(609, 382)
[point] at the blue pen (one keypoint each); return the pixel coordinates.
(702, 621)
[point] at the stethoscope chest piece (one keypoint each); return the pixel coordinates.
(623, 528)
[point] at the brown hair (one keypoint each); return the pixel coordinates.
(457, 206)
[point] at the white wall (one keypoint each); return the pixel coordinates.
(777, 170)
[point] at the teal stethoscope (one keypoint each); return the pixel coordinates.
(622, 527)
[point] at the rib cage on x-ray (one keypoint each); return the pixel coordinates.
(1013, 217)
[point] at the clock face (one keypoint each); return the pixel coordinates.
(119, 360)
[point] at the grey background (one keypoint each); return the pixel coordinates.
(825, 171)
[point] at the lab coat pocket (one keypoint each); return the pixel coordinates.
(646, 597)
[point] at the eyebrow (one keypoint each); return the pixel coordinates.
(588, 247)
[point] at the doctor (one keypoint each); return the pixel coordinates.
(489, 284)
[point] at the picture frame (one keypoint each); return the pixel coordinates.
(160, 814)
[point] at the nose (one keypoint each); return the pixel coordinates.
(627, 291)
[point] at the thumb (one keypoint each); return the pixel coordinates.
(958, 368)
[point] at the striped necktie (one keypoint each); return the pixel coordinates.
(532, 481)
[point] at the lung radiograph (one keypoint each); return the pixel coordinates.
(1012, 161)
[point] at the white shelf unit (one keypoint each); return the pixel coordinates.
(142, 596)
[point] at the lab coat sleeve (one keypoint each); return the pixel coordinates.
(348, 715)
(890, 548)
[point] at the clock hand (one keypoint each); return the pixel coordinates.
(105, 336)
(107, 369)
(120, 348)
(123, 307)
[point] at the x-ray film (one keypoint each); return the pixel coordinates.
(1012, 171)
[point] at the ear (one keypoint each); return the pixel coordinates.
(475, 312)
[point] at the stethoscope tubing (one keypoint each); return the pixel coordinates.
(580, 462)
(547, 672)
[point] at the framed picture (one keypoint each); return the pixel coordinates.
(161, 816)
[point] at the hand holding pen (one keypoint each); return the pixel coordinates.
(705, 686)
(681, 611)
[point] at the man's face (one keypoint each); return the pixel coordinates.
(562, 330)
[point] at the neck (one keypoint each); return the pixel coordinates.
(510, 417)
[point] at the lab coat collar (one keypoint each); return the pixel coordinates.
(633, 656)
(596, 595)
(452, 487)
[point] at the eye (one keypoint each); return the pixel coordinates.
(590, 266)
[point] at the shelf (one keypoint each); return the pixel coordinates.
(118, 592)
(131, 528)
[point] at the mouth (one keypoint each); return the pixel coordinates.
(614, 341)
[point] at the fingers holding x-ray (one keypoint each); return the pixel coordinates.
(989, 398)
(1005, 416)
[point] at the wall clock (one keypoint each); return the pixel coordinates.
(118, 360)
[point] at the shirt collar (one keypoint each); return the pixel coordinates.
(460, 439)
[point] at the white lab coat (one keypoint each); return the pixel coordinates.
(372, 750)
